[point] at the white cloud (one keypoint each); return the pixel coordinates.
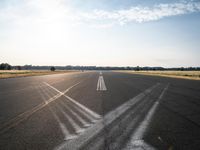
(142, 14)
(51, 11)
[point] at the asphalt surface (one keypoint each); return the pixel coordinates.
(99, 110)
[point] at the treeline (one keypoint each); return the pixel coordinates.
(6, 66)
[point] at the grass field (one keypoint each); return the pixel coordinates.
(193, 75)
(25, 73)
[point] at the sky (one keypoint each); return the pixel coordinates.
(100, 32)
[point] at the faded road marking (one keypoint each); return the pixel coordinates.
(92, 113)
(85, 124)
(105, 121)
(18, 119)
(71, 118)
(67, 135)
(139, 132)
(76, 127)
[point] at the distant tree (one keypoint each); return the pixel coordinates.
(137, 68)
(190, 68)
(128, 68)
(1, 67)
(19, 68)
(68, 67)
(182, 69)
(52, 68)
(27, 67)
(8, 67)
(5, 66)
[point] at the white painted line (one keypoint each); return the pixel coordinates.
(101, 84)
(124, 107)
(71, 121)
(139, 145)
(98, 84)
(85, 114)
(100, 72)
(108, 119)
(88, 115)
(42, 94)
(95, 115)
(92, 113)
(66, 133)
(21, 117)
(85, 124)
(139, 132)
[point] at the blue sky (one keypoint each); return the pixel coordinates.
(100, 32)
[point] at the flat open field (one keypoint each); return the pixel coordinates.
(194, 75)
(24, 73)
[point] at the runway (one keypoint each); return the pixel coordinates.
(103, 110)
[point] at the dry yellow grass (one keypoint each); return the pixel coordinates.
(193, 75)
(25, 73)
